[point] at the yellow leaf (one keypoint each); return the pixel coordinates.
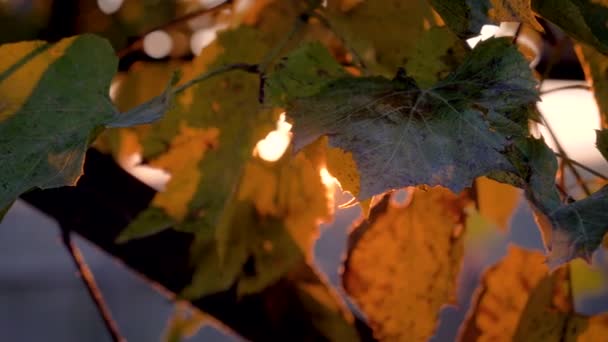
(185, 322)
(21, 67)
(519, 300)
(403, 263)
(181, 161)
(497, 201)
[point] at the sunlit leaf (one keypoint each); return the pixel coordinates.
(302, 73)
(584, 20)
(267, 230)
(208, 136)
(466, 17)
(375, 30)
(402, 135)
(496, 201)
(595, 65)
(520, 300)
(403, 263)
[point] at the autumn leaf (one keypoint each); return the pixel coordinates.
(496, 201)
(401, 135)
(184, 323)
(519, 300)
(46, 119)
(376, 32)
(403, 263)
(467, 17)
(207, 137)
(267, 229)
(583, 20)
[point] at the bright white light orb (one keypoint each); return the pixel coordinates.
(109, 6)
(158, 44)
(276, 142)
(201, 38)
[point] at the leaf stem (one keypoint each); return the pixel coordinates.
(89, 282)
(250, 68)
(138, 43)
(299, 23)
(584, 167)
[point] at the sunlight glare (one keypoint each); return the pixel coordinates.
(276, 142)
(109, 6)
(487, 31)
(573, 115)
(153, 177)
(158, 44)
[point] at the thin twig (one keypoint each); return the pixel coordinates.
(584, 167)
(276, 50)
(355, 55)
(89, 282)
(579, 180)
(138, 43)
(572, 86)
(250, 68)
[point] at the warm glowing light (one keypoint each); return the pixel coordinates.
(158, 44)
(153, 177)
(573, 116)
(210, 3)
(109, 6)
(201, 38)
(275, 144)
(487, 31)
(327, 179)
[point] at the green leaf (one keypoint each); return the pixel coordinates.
(466, 17)
(267, 228)
(402, 135)
(52, 98)
(602, 142)
(375, 30)
(584, 20)
(302, 73)
(578, 228)
(207, 137)
(5, 210)
(53, 102)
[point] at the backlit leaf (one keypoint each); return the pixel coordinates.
(376, 30)
(402, 135)
(519, 300)
(466, 17)
(584, 20)
(267, 230)
(496, 201)
(53, 102)
(403, 263)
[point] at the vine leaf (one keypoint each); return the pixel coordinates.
(403, 263)
(466, 17)
(584, 20)
(578, 228)
(54, 100)
(519, 299)
(266, 230)
(375, 30)
(401, 135)
(206, 139)
(496, 201)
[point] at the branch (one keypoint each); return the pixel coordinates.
(89, 282)
(573, 86)
(251, 68)
(138, 43)
(103, 203)
(583, 166)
